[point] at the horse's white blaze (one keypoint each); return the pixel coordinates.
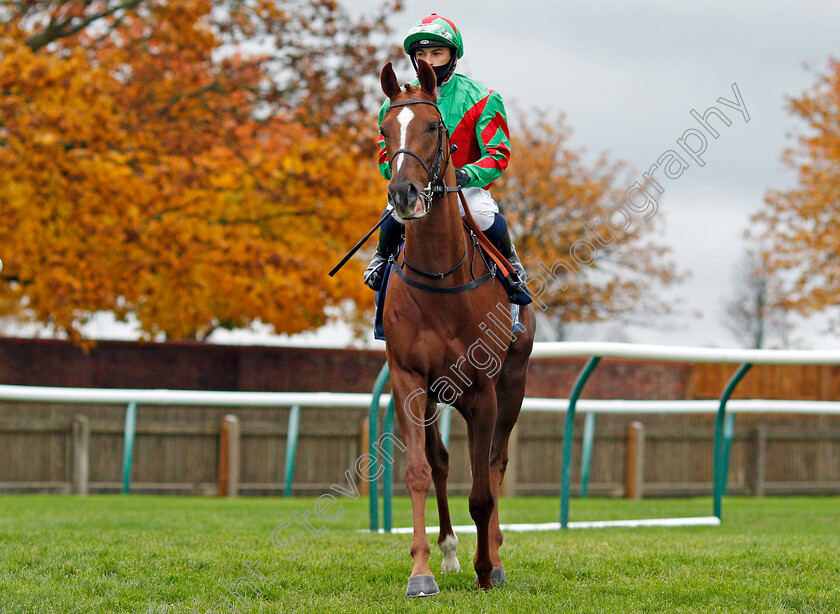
(450, 561)
(404, 118)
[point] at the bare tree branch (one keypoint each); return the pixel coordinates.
(63, 29)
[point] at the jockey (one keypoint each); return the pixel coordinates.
(476, 120)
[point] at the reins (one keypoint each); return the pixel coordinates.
(435, 187)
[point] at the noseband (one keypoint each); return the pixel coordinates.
(434, 172)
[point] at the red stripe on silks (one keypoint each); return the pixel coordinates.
(497, 122)
(383, 152)
(469, 150)
(491, 162)
(500, 150)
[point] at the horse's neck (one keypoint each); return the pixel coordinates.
(436, 242)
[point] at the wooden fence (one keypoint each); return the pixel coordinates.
(177, 450)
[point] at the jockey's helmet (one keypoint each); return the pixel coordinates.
(435, 31)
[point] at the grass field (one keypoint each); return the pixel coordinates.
(143, 554)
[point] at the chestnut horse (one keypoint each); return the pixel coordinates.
(448, 329)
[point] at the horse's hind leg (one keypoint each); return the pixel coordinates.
(438, 458)
(510, 390)
(498, 464)
(481, 418)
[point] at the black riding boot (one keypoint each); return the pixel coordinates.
(390, 236)
(500, 237)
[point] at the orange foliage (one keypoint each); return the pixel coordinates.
(800, 226)
(547, 195)
(152, 164)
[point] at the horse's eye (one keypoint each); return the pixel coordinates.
(432, 127)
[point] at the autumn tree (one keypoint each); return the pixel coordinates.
(802, 224)
(755, 312)
(559, 205)
(199, 163)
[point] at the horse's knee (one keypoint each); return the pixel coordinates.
(498, 462)
(418, 477)
(481, 506)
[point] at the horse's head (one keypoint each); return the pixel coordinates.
(416, 139)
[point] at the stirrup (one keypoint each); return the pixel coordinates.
(375, 273)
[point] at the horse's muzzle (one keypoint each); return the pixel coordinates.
(407, 200)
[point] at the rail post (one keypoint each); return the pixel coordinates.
(445, 424)
(128, 444)
(721, 448)
(373, 434)
(81, 455)
(566, 469)
(634, 478)
(388, 474)
(291, 449)
(229, 456)
(586, 453)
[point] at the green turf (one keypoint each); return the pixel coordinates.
(143, 554)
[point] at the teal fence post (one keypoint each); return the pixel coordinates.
(291, 448)
(373, 434)
(566, 469)
(586, 454)
(721, 448)
(445, 424)
(728, 430)
(388, 474)
(128, 444)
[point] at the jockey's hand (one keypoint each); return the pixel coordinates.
(462, 178)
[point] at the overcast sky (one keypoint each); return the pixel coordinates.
(627, 75)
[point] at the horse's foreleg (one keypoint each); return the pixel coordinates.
(439, 459)
(480, 427)
(410, 403)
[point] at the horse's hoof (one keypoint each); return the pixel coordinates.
(422, 586)
(497, 577)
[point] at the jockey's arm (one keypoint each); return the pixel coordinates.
(493, 136)
(384, 165)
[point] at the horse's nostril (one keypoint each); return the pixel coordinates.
(411, 193)
(395, 195)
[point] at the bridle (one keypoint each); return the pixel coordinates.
(436, 187)
(435, 172)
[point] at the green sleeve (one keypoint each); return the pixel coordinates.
(493, 137)
(384, 165)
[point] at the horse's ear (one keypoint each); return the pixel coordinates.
(388, 80)
(427, 77)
